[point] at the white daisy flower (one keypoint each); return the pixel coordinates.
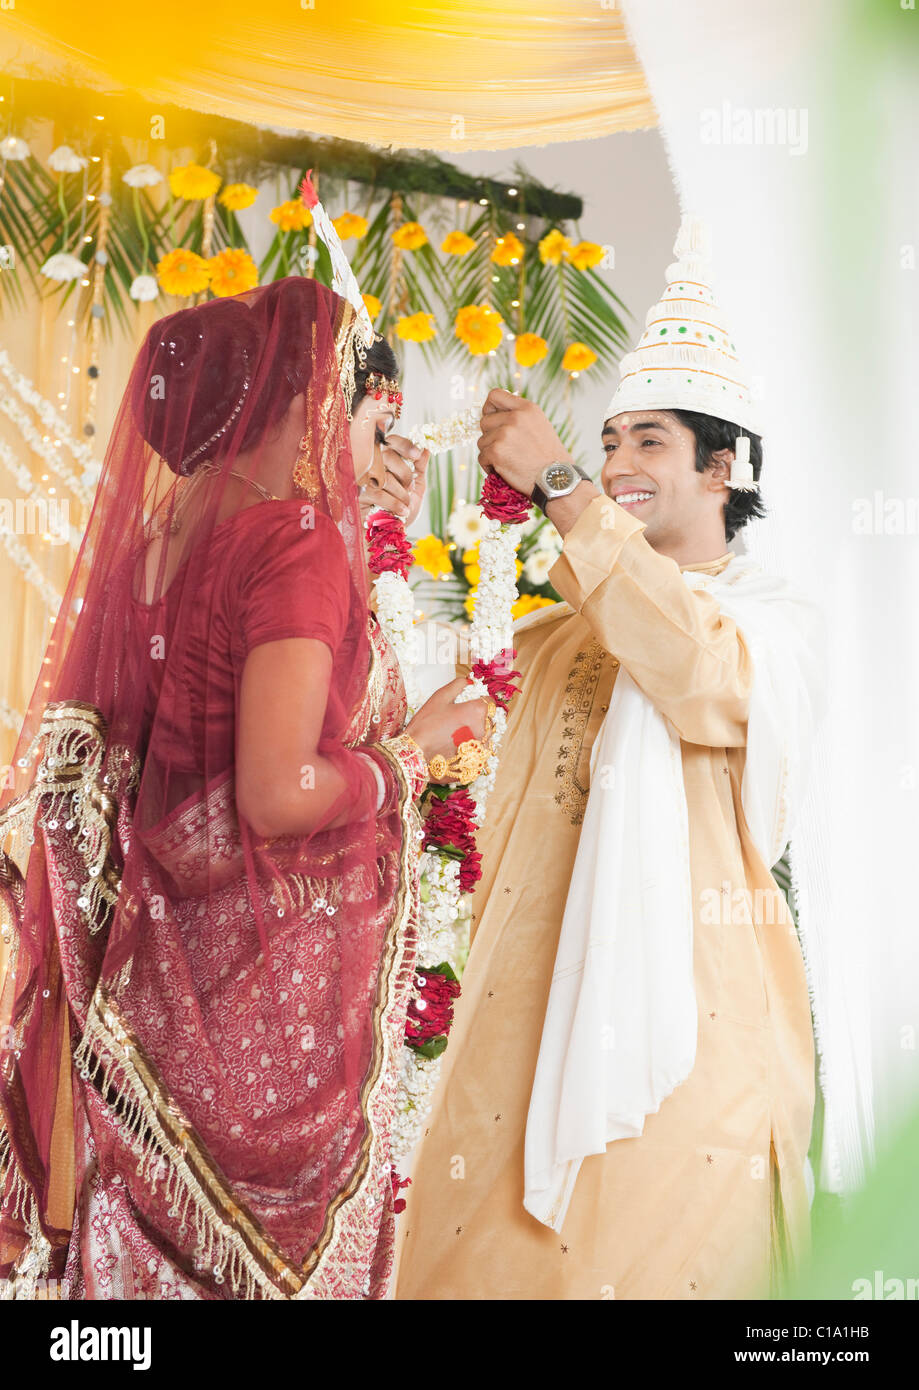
(467, 525)
(537, 565)
(144, 287)
(142, 176)
(63, 267)
(64, 160)
(14, 148)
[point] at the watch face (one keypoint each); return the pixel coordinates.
(557, 476)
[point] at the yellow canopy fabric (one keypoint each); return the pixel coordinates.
(450, 76)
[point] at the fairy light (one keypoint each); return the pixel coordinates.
(512, 193)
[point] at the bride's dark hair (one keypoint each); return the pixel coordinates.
(380, 358)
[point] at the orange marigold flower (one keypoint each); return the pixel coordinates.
(237, 196)
(350, 224)
(410, 236)
(552, 247)
(373, 304)
(479, 327)
(529, 349)
(508, 250)
(528, 603)
(183, 272)
(292, 216)
(578, 357)
(585, 255)
(457, 244)
(232, 272)
(416, 328)
(193, 181)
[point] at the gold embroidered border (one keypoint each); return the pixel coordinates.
(348, 1200)
(578, 702)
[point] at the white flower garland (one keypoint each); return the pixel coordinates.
(443, 908)
(26, 483)
(23, 560)
(50, 418)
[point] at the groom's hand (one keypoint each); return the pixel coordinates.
(517, 441)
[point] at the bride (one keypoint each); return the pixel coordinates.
(212, 944)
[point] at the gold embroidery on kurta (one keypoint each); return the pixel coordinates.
(578, 702)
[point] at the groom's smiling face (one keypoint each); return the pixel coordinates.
(650, 469)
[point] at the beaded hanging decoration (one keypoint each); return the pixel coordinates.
(377, 384)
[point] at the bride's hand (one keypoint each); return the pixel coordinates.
(433, 726)
(403, 490)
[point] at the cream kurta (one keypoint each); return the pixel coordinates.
(689, 1209)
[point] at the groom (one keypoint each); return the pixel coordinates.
(627, 1096)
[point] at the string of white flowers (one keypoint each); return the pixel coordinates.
(22, 476)
(395, 609)
(440, 435)
(10, 718)
(53, 457)
(444, 909)
(52, 420)
(24, 562)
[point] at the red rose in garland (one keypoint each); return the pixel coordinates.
(430, 1010)
(388, 547)
(501, 502)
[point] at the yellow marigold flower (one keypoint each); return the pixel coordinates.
(578, 357)
(416, 328)
(433, 556)
(553, 247)
(529, 349)
(232, 272)
(410, 236)
(469, 602)
(479, 327)
(457, 243)
(508, 249)
(292, 216)
(373, 304)
(471, 567)
(237, 196)
(193, 181)
(528, 603)
(585, 255)
(183, 272)
(350, 224)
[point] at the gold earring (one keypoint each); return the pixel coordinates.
(306, 475)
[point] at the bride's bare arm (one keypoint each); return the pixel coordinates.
(283, 785)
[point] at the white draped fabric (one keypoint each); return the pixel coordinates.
(622, 1019)
(790, 127)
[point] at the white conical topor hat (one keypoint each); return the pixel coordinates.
(686, 359)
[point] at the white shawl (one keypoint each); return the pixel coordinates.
(620, 1028)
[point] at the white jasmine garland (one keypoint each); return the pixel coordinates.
(443, 909)
(49, 417)
(80, 488)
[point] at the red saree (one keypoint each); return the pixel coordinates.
(204, 1025)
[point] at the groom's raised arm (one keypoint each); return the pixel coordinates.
(688, 658)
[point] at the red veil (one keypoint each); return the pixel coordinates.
(199, 1025)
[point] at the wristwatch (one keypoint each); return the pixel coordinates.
(557, 480)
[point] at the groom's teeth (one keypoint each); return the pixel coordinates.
(629, 497)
